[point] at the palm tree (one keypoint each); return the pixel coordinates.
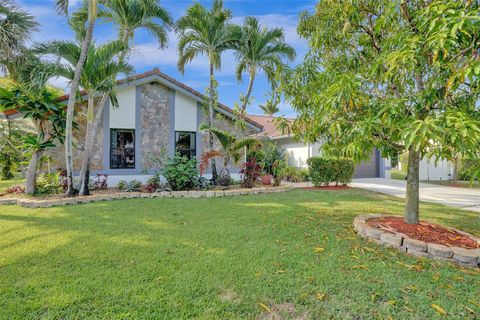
(91, 9)
(130, 15)
(231, 147)
(206, 32)
(260, 49)
(98, 81)
(270, 108)
(16, 27)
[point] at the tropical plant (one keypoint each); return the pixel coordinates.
(129, 186)
(231, 147)
(90, 7)
(260, 49)
(16, 28)
(130, 15)
(278, 169)
(249, 173)
(43, 109)
(10, 147)
(271, 153)
(98, 80)
(206, 32)
(181, 173)
(393, 75)
(270, 108)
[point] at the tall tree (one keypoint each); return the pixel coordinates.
(16, 28)
(390, 74)
(43, 109)
(206, 32)
(131, 15)
(98, 80)
(260, 49)
(62, 6)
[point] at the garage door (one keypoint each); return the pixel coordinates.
(369, 168)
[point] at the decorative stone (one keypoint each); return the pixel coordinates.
(66, 201)
(372, 232)
(166, 194)
(179, 194)
(219, 193)
(415, 245)
(465, 256)
(439, 251)
(391, 239)
(418, 254)
(196, 194)
(209, 194)
(145, 195)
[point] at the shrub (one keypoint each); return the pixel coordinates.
(324, 171)
(130, 186)
(181, 173)
(271, 154)
(16, 189)
(49, 183)
(224, 178)
(255, 153)
(278, 169)
(153, 183)
(249, 173)
(468, 169)
(294, 174)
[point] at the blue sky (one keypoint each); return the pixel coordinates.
(146, 54)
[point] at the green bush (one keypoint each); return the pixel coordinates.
(325, 171)
(130, 186)
(468, 169)
(294, 174)
(48, 183)
(181, 173)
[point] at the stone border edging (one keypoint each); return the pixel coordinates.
(417, 248)
(33, 203)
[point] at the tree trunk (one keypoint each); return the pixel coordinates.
(92, 12)
(210, 122)
(412, 196)
(92, 126)
(31, 174)
(249, 92)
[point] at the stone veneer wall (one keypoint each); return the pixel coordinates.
(155, 121)
(57, 153)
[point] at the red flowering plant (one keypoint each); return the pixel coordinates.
(250, 172)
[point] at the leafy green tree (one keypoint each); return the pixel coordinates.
(16, 28)
(231, 147)
(206, 32)
(98, 80)
(270, 107)
(131, 15)
(393, 75)
(260, 49)
(10, 147)
(43, 109)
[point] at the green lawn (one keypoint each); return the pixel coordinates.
(4, 184)
(459, 183)
(222, 258)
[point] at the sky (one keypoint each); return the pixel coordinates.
(146, 55)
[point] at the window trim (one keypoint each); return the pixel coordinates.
(194, 133)
(134, 149)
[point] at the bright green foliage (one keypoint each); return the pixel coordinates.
(10, 148)
(181, 173)
(294, 174)
(129, 186)
(391, 75)
(48, 183)
(271, 153)
(324, 171)
(218, 258)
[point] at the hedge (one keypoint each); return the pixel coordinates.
(324, 171)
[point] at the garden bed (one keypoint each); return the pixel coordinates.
(426, 240)
(328, 188)
(107, 195)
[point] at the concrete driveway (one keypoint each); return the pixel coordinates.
(464, 198)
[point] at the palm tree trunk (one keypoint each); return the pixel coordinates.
(412, 195)
(210, 122)
(73, 91)
(249, 92)
(92, 126)
(31, 173)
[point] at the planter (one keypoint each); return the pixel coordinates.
(266, 179)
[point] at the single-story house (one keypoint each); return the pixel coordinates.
(298, 152)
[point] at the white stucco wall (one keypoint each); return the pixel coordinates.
(123, 117)
(298, 152)
(443, 170)
(185, 113)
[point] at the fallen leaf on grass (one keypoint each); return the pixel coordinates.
(474, 302)
(439, 309)
(318, 249)
(265, 307)
(391, 302)
(408, 309)
(320, 296)
(471, 311)
(364, 267)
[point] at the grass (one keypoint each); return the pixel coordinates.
(222, 258)
(398, 174)
(4, 184)
(461, 183)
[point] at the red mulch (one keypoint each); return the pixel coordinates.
(328, 188)
(425, 231)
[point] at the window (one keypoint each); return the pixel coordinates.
(185, 144)
(122, 149)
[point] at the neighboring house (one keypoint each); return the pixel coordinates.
(298, 152)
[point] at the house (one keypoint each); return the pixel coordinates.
(156, 113)
(298, 152)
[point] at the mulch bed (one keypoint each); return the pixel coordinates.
(327, 188)
(425, 231)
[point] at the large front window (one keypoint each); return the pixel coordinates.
(122, 149)
(185, 144)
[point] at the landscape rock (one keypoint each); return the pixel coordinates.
(439, 251)
(415, 245)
